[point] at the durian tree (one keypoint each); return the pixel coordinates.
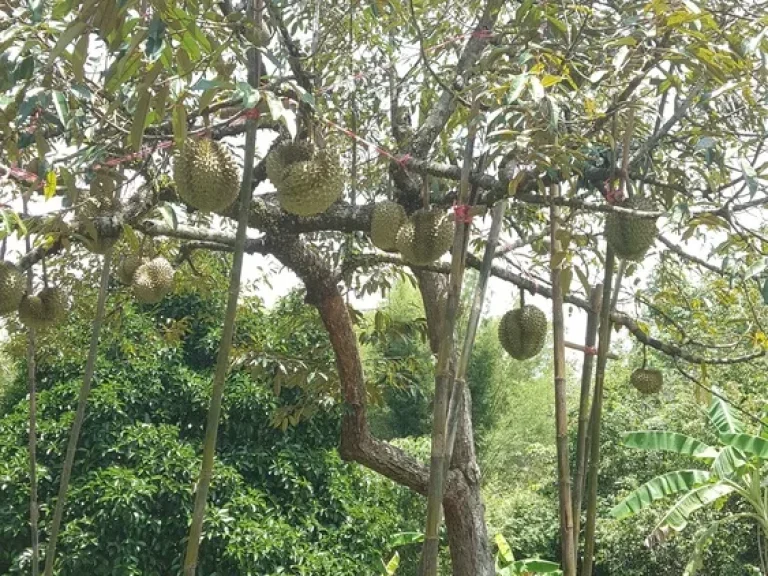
(626, 129)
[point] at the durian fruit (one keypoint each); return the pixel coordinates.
(386, 220)
(127, 268)
(425, 237)
(647, 380)
(308, 180)
(32, 312)
(629, 236)
(102, 185)
(54, 308)
(206, 175)
(153, 280)
(523, 332)
(11, 288)
(43, 309)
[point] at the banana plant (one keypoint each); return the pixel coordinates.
(730, 469)
(506, 565)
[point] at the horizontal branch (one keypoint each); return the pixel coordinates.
(618, 318)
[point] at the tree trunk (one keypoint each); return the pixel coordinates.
(467, 536)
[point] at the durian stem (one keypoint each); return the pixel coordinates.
(443, 371)
(225, 345)
(587, 366)
(568, 554)
(457, 394)
(32, 442)
(596, 415)
(82, 401)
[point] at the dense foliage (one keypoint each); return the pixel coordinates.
(282, 501)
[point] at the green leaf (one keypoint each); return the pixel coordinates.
(677, 517)
(658, 488)
(140, 120)
(405, 538)
(179, 122)
(747, 443)
(669, 442)
(535, 566)
(505, 552)
(49, 188)
(169, 215)
(765, 292)
(702, 544)
(79, 57)
(62, 108)
(722, 418)
(750, 176)
(75, 29)
(728, 463)
(393, 564)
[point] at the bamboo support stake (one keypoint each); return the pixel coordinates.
(457, 395)
(82, 401)
(34, 511)
(595, 418)
(225, 345)
(443, 375)
(590, 341)
(561, 410)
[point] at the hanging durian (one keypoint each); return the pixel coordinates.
(206, 175)
(426, 236)
(153, 280)
(43, 309)
(629, 236)
(103, 185)
(308, 180)
(11, 288)
(386, 220)
(523, 332)
(127, 267)
(647, 380)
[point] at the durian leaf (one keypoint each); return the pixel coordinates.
(658, 488)
(750, 176)
(670, 442)
(747, 443)
(169, 215)
(676, 518)
(140, 120)
(49, 189)
(75, 29)
(505, 552)
(723, 419)
(179, 122)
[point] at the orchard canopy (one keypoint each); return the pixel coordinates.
(455, 105)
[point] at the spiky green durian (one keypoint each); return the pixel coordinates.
(32, 312)
(523, 332)
(386, 220)
(425, 237)
(54, 308)
(127, 268)
(206, 175)
(629, 236)
(11, 288)
(647, 380)
(153, 280)
(307, 180)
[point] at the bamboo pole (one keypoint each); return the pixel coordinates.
(590, 339)
(82, 401)
(561, 410)
(225, 345)
(34, 511)
(595, 418)
(457, 395)
(443, 375)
